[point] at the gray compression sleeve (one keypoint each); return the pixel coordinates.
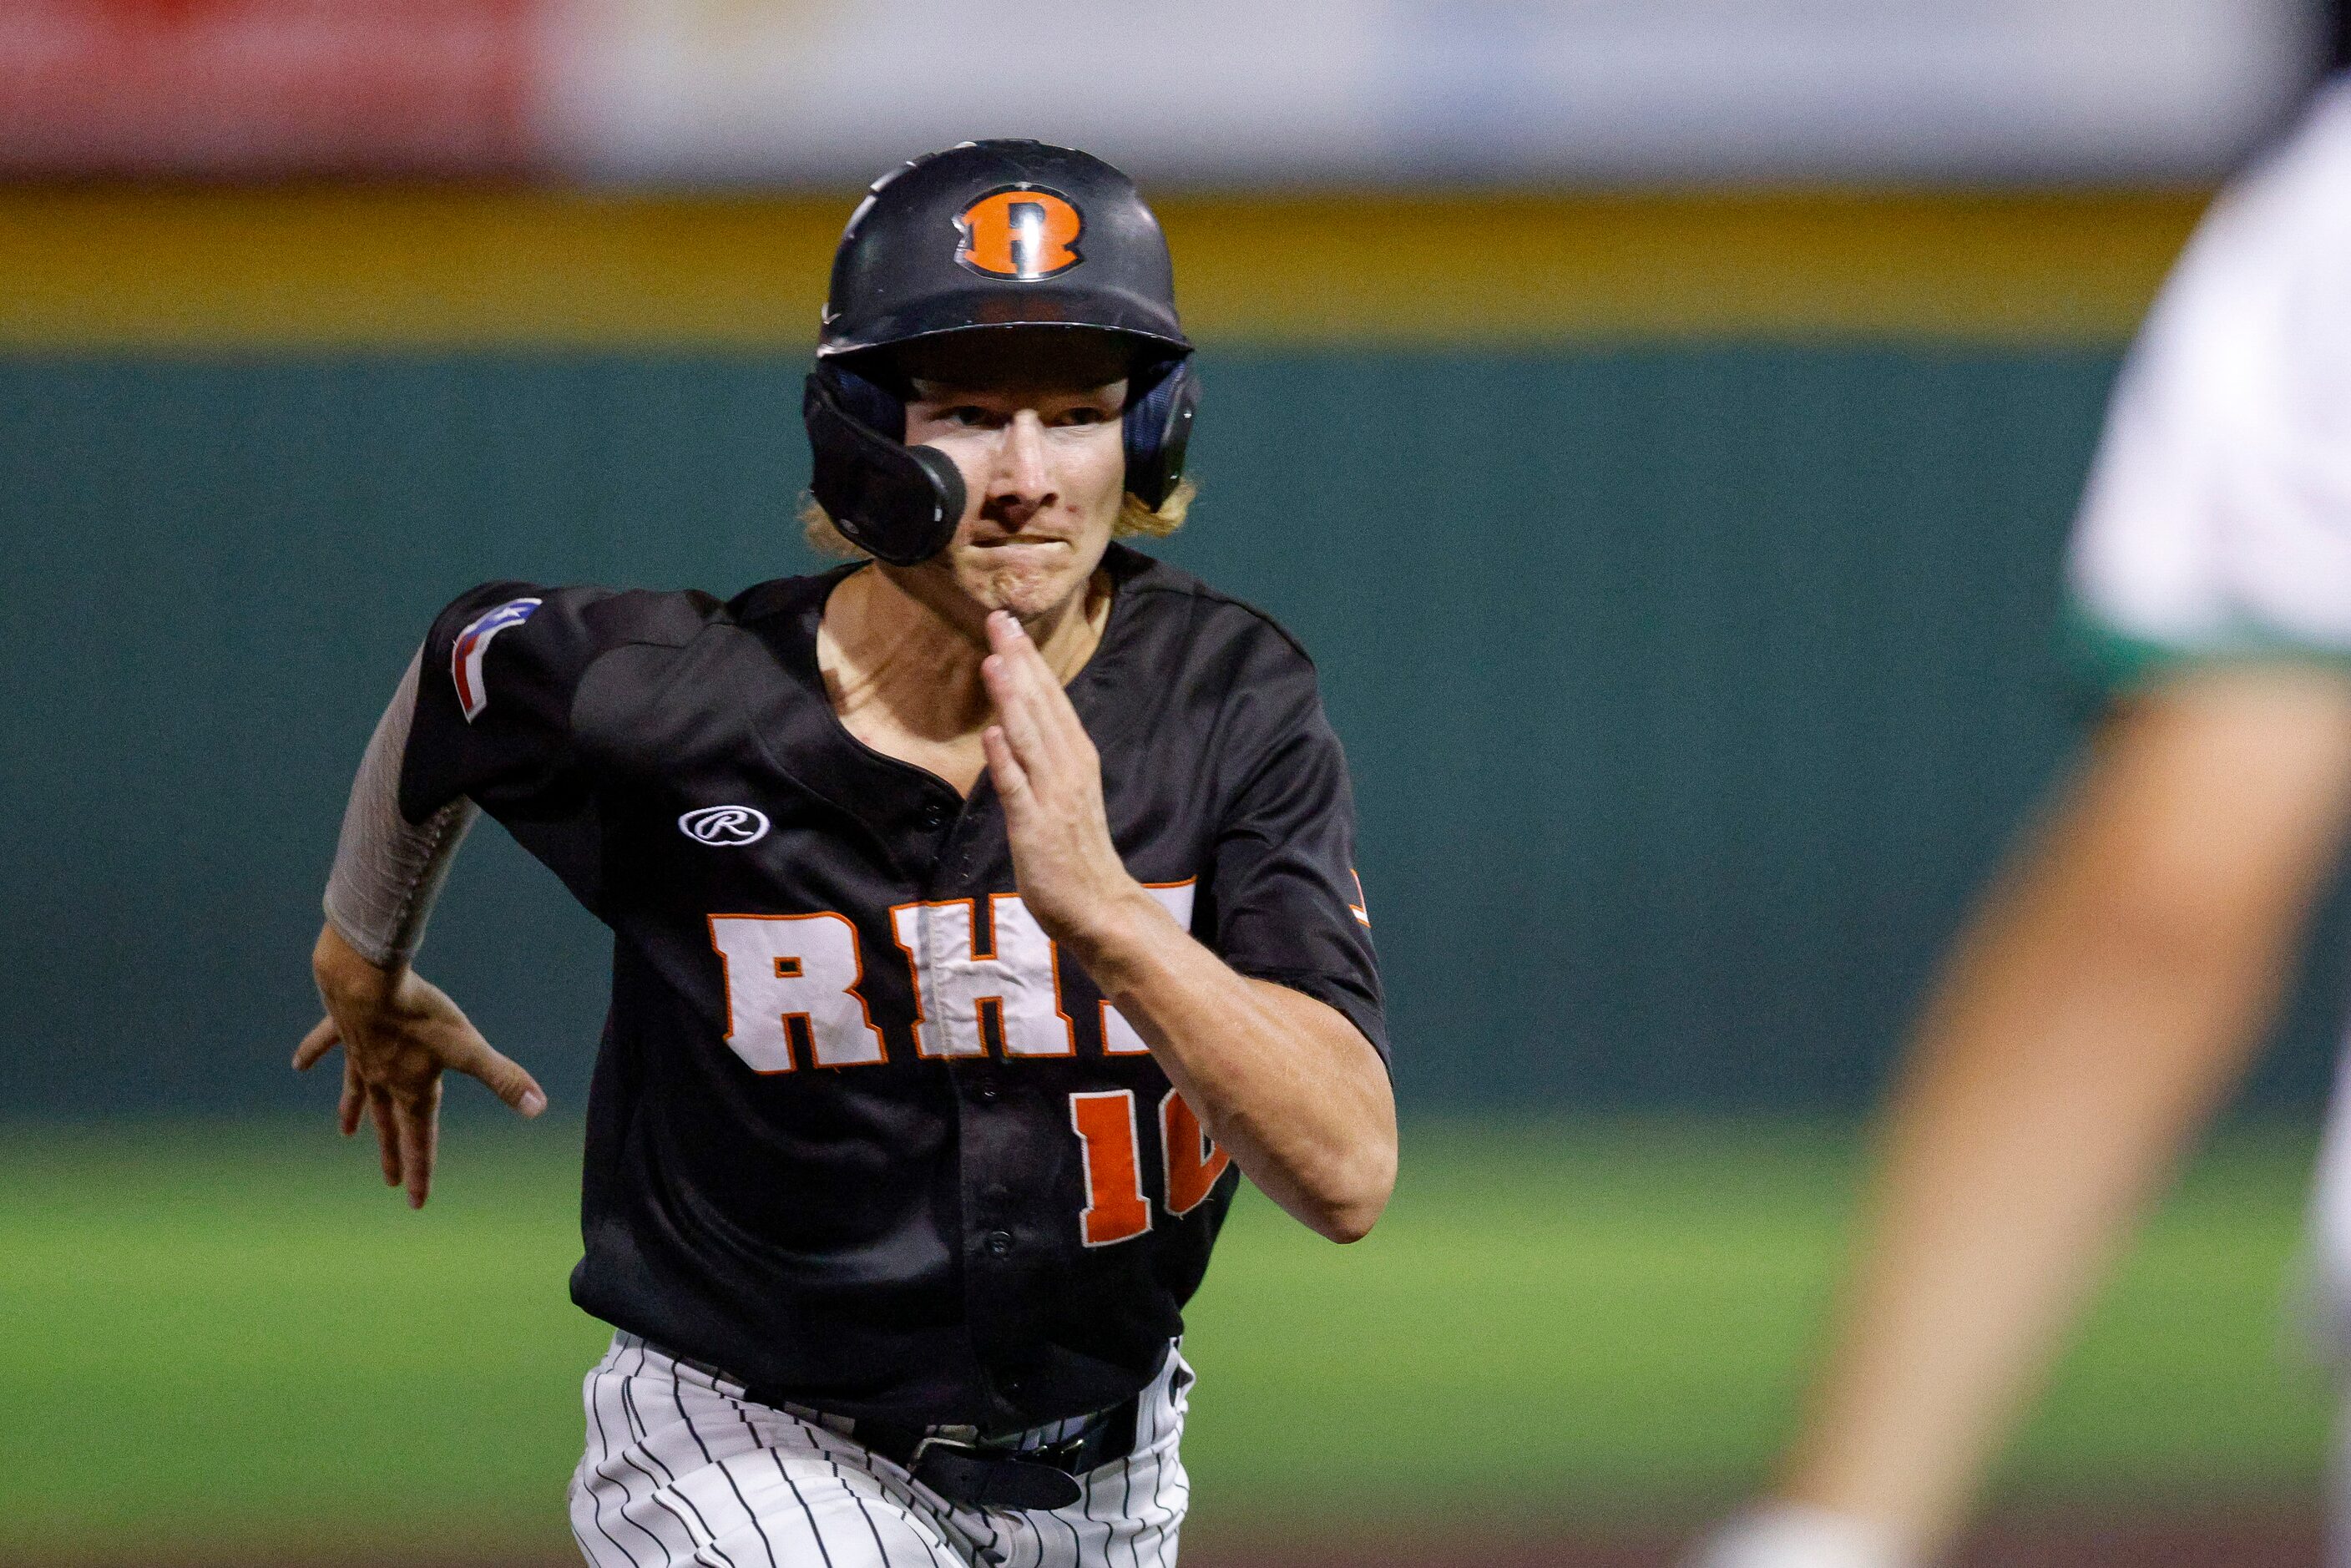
(388, 871)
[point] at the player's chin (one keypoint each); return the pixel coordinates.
(1030, 579)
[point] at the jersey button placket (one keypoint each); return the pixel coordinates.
(994, 1139)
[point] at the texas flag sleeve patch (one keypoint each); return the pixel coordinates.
(465, 653)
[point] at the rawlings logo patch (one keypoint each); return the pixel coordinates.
(725, 827)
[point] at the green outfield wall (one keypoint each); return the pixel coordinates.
(1683, 572)
(1688, 689)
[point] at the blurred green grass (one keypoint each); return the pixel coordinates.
(225, 1336)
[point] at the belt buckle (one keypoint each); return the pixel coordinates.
(981, 1477)
(960, 1439)
(1063, 1455)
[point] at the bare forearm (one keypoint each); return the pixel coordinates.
(1282, 1081)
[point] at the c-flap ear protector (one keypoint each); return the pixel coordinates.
(1158, 428)
(901, 503)
(898, 502)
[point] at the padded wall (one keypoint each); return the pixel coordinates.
(1688, 689)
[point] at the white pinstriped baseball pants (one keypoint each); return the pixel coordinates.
(681, 1469)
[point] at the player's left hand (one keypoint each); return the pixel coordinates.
(1049, 777)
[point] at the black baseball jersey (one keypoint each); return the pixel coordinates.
(857, 1132)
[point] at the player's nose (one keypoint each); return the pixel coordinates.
(1021, 473)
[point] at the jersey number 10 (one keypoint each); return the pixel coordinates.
(1116, 1210)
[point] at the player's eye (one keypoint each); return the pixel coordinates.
(970, 415)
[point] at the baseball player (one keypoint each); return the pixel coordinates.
(981, 908)
(2116, 981)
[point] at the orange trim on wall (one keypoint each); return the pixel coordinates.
(433, 268)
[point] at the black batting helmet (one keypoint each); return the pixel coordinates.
(983, 237)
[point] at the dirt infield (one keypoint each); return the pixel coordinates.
(2283, 1538)
(2246, 1541)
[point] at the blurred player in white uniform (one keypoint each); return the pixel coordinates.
(2116, 980)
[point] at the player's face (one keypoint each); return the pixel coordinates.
(1036, 435)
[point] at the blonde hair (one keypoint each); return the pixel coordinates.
(1134, 520)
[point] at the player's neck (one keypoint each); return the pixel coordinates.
(904, 674)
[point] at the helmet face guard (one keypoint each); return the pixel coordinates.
(987, 236)
(897, 503)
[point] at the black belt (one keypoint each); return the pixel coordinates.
(966, 1465)
(976, 1473)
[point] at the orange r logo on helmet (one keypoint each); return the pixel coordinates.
(1019, 233)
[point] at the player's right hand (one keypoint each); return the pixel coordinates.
(399, 1032)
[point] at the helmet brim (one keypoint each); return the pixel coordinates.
(984, 309)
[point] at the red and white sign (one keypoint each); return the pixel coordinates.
(261, 87)
(832, 93)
